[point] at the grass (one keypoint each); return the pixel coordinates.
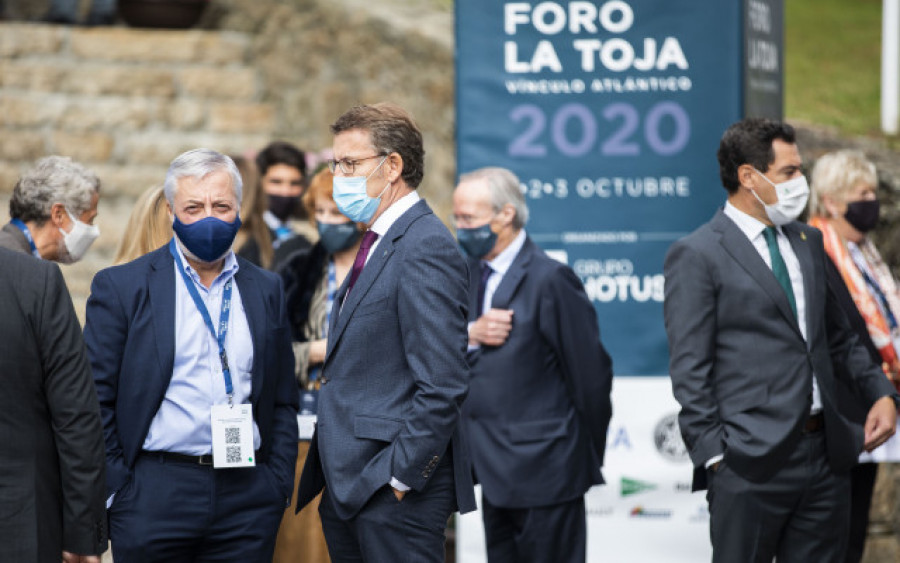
(833, 63)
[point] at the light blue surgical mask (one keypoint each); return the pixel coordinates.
(351, 196)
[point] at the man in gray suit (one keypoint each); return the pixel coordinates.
(52, 211)
(387, 449)
(778, 398)
(51, 441)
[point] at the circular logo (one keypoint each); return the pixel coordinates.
(667, 437)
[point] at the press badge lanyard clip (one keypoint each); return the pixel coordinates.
(223, 319)
(25, 231)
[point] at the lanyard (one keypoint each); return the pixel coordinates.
(24, 228)
(204, 312)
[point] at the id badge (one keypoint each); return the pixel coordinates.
(232, 436)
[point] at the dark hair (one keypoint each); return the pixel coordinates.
(392, 129)
(749, 141)
(280, 152)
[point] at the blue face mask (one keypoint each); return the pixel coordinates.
(478, 241)
(352, 198)
(208, 239)
(338, 236)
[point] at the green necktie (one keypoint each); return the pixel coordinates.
(779, 268)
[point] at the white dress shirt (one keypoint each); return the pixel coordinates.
(183, 422)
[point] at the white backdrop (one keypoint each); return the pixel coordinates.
(646, 512)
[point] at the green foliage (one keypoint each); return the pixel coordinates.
(833, 63)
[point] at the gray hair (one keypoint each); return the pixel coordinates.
(197, 163)
(835, 174)
(504, 189)
(54, 179)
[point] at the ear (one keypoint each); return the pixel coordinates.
(394, 167)
(831, 205)
(58, 215)
(746, 175)
(506, 214)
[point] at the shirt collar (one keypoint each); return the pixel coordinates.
(504, 260)
(392, 213)
(229, 269)
(748, 224)
(271, 220)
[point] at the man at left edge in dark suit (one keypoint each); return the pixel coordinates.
(191, 355)
(51, 444)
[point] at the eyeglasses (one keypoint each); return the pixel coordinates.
(348, 165)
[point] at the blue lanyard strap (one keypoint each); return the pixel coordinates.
(204, 312)
(25, 231)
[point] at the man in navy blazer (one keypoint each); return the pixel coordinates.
(175, 339)
(539, 405)
(387, 448)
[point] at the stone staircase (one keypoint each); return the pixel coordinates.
(124, 102)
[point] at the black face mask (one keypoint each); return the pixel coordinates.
(863, 215)
(283, 206)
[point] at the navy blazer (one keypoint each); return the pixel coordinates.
(130, 337)
(740, 366)
(539, 405)
(395, 372)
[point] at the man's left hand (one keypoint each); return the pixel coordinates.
(69, 557)
(880, 423)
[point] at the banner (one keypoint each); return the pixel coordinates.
(610, 113)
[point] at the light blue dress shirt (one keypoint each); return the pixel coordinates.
(183, 422)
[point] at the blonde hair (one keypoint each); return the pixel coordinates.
(835, 174)
(254, 204)
(148, 228)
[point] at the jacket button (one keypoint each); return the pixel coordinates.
(323, 380)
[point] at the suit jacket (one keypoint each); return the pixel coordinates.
(14, 239)
(739, 365)
(395, 372)
(538, 407)
(51, 439)
(130, 336)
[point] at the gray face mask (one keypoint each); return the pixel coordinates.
(78, 240)
(792, 198)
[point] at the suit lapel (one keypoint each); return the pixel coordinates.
(375, 264)
(161, 283)
(804, 256)
(474, 282)
(255, 308)
(513, 277)
(745, 254)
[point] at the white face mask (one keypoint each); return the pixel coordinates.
(78, 240)
(792, 198)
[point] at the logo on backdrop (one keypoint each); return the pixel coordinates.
(633, 486)
(667, 438)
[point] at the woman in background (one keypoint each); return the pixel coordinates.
(253, 241)
(311, 280)
(844, 206)
(149, 226)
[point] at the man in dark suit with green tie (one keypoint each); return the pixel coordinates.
(765, 365)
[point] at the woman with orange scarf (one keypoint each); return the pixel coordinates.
(844, 206)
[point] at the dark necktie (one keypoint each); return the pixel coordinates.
(779, 268)
(368, 240)
(482, 287)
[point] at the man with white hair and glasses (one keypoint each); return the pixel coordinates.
(52, 211)
(192, 360)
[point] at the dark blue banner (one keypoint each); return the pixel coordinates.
(610, 113)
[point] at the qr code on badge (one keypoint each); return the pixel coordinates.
(232, 454)
(233, 435)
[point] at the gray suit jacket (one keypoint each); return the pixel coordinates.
(51, 440)
(12, 238)
(739, 365)
(395, 371)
